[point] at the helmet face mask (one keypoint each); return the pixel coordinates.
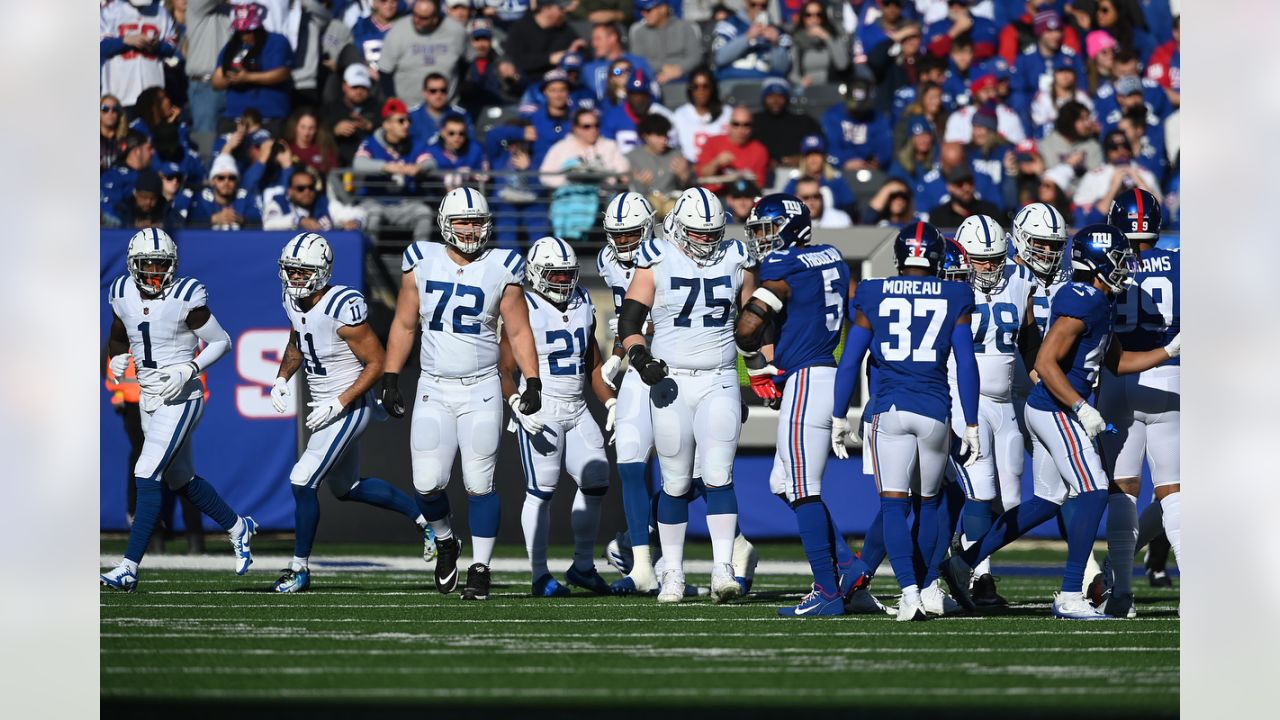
(152, 260)
(1104, 252)
(553, 269)
(985, 242)
(776, 221)
(955, 264)
(697, 225)
(152, 274)
(465, 221)
(1040, 236)
(306, 264)
(628, 224)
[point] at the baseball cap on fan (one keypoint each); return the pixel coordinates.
(246, 18)
(357, 75)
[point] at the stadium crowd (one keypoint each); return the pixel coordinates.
(319, 114)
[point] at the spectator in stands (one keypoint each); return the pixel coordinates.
(1146, 140)
(1052, 190)
(928, 107)
(1165, 65)
(134, 41)
(176, 194)
(153, 109)
(930, 70)
(487, 78)
(311, 144)
(248, 143)
(824, 216)
(538, 41)
(353, 117)
(1047, 101)
(671, 45)
(703, 116)
(739, 197)
(961, 200)
(985, 94)
(989, 154)
(426, 117)
(144, 207)
(459, 10)
(607, 47)
(603, 12)
(918, 155)
(620, 124)
(254, 70)
(454, 157)
(960, 72)
(1126, 65)
(304, 207)
(579, 95)
(749, 45)
(111, 131)
(888, 22)
(892, 205)
(1034, 67)
(117, 182)
(425, 42)
(577, 167)
(1019, 34)
(779, 126)
(1124, 27)
(814, 166)
(224, 205)
(1101, 48)
(369, 32)
(1073, 142)
(166, 139)
(733, 154)
(858, 136)
(517, 208)
(270, 176)
(1127, 93)
(1026, 167)
(389, 165)
(657, 170)
(822, 53)
(208, 29)
(1096, 190)
(553, 121)
(959, 21)
(893, 64)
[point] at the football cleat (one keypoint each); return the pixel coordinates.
(745, 560)
(1074, 606)
(937, 602)
(958, 575)
(477, 587)
(984, 592)
(1159, 578)
(121, 578)
(815, 604)
(240, 544)
(862, 602)
(429, 550)
(1120, 606)
(447, 564)
(672, 590)
(911, 611)
(587, 580)
(293, 580)
(545, 586)
(618, 553)
(724, 586)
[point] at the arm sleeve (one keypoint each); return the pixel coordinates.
(847, 374)
(110, 47)
(966, 372)
(217, 343)
(728, 51)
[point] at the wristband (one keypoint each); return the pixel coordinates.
(1075, 406)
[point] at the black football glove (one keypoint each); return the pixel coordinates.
(391, 399)
(531, 398)
(651, 369)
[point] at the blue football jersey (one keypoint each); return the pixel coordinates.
(912, 319)
(1082, 363)
(810, 323)
(1147, 314)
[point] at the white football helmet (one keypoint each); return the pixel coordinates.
(148, 246)
(985, 242)
(697, 224)
(553, 269)
(628, 224)
(308, 253)
(1040, 236)
(465, 203)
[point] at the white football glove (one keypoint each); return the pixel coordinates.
(1174, 348)
(530, 423)
(322, 413)
(839, 431)
(613, 326)
(612, 406)
(280, 395)
(119, 364)
(1090, 419)
(969, 449)
(176, 377)
(609, 371)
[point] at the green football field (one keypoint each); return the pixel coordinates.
(374, 635)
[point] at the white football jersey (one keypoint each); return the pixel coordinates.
(616, 275)
(996, 319)
(126, 75)
(562, 338)
(1041, 299)
(458, 306)
(157, 327)
(695, 307)
(327, 359)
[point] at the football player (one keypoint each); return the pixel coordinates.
(911, 324)
(1062, 422)
(694, 282)
(803, 289)
(342, 359)
(1004, 330)
(160, 319)
(458, 290)
(1145, 407)
(563, 320)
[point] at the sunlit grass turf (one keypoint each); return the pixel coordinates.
(383, 639)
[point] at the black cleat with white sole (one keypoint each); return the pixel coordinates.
(984, 592)
(447, 564)
(477, 587)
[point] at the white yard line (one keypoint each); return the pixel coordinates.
(579, 693)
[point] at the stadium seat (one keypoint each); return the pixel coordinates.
(816, 99)
(492, 117)
(742, 92)
(865, 184)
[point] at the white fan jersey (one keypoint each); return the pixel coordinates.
(458, 307)
(327, 359)
(695, 307)
(157, 327)
(126, 75)
(562, 338)
(996, 319)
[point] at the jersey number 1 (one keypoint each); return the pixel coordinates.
(145, 329)
(314, 367)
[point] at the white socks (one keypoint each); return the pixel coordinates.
(671, 535)
(482, 549)
(442, 528)
(585, 519)
(722, 529)
(984, 566)
(911, 594)
(422, 522)
(535, 518)
(129, 565)
(1122, 538)
(298, 563)
(1172, 506)
(237, 528)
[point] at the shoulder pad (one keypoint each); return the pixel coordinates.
(116, 290)
(412, 256)
(650, 253)
(347, 306)
(529, 298)
(514, 263)
(600, 259)
(190, 291)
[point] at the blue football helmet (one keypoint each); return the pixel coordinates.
(955, 263)
(920, 245)
(1136, 213)
(1104, 252)
(776, 221)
